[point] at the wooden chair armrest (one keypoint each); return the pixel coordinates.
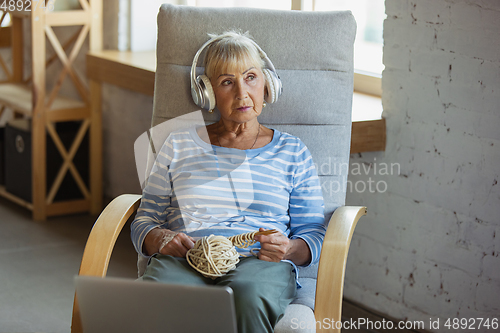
(104, 233)
(101, 242)
(331, 271)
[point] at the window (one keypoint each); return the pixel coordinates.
(369, 14)
(143, 29)
(6, 19)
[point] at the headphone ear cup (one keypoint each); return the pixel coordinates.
(273, 85)
(207, 96)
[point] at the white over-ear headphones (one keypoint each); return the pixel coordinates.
(203, 93)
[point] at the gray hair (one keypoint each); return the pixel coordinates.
(231, 50)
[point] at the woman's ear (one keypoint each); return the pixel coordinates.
(266, 92)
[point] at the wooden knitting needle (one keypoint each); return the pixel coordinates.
(266, 232)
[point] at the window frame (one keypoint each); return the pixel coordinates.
(365, 83)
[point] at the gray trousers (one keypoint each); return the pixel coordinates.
(262, 290)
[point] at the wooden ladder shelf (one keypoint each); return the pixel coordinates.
(28, 98)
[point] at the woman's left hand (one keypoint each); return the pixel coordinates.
(273, 247)
(276, 247)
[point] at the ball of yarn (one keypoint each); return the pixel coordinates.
(213, 256)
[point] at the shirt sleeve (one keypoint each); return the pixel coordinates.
(155, 199)
(307, 219)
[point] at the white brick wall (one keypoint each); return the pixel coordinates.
(429, 247)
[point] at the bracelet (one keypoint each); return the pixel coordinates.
(166, 239)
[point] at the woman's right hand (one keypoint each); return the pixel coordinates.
(177, 247)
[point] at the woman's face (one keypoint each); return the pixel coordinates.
(239, 93)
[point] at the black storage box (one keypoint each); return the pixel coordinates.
(18, 155)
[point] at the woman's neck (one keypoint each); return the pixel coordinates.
(245, 136)
(237, 131)
(240, 136)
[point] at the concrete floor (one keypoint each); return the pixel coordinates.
(38, 262)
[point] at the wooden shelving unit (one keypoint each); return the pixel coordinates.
(29, 99)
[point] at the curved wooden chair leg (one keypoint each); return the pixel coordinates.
(332, 264)
(101, 242)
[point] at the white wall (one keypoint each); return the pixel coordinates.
(143, 23)
(429, 247)
(143, 30)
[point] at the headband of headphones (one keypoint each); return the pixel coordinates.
(201, 88)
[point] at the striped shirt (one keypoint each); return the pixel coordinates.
(201, 189)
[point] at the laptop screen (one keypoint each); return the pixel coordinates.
(131, 306)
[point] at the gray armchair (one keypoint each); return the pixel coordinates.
(313, 54)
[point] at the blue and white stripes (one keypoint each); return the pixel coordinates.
(200, 189)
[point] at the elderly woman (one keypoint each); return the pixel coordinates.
(232, 177)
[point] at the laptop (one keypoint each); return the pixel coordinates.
(130, 306)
